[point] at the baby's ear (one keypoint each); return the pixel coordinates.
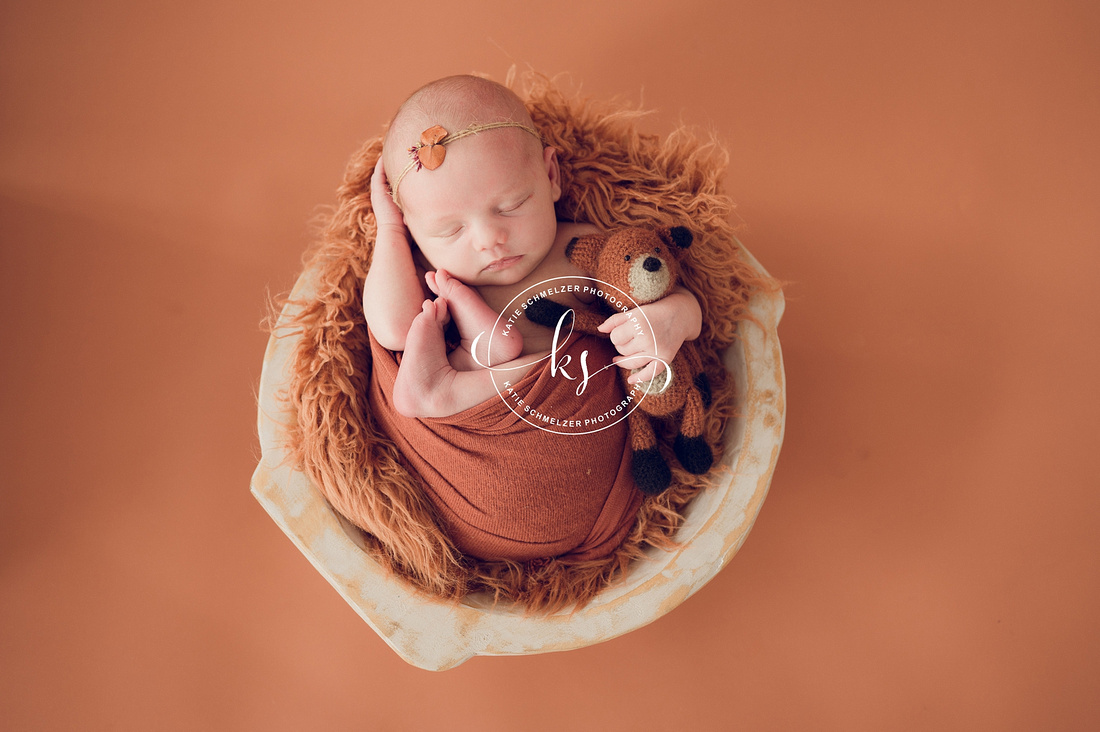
(584, 251)
(678, 236)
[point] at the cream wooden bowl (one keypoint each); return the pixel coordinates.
(438, 635)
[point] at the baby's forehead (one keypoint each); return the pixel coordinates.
(477, 175)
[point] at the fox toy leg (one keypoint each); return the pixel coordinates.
(691, 447)
(651, 473)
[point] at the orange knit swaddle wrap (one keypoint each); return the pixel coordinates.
(506, 489)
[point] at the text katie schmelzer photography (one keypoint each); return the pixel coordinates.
(566, 419)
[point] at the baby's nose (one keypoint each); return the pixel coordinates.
(491, 236)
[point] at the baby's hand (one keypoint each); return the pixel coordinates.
(386, 213)
(649, 336)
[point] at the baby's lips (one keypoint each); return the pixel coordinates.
(502, 262)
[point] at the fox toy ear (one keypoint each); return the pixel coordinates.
(584, 251)
(678, 236)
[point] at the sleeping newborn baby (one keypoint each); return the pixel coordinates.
(510, 426)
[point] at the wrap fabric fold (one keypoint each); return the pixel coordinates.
(505, 488)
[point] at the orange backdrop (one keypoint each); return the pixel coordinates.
(923, 174)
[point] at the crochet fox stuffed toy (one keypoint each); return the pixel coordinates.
(643, 263)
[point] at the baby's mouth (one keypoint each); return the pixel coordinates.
(500, 264)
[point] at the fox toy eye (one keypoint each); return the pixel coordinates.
(626, 258)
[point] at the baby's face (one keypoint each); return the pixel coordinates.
(486, 215)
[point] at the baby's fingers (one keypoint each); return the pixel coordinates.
(612, 323)
(627, 340)
(654, 369)
(378, 184)
(436, 309)
(385, 210)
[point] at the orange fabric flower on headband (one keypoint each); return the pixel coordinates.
(430, 152)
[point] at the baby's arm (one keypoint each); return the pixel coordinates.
(673, 319)
(392, 292)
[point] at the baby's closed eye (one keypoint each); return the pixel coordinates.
(514, 206)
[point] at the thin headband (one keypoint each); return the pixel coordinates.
(430, 151)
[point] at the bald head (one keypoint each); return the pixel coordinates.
(454, 102)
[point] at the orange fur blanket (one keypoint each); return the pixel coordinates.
(612, 176)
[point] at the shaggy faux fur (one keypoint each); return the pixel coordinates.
(612, 176)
